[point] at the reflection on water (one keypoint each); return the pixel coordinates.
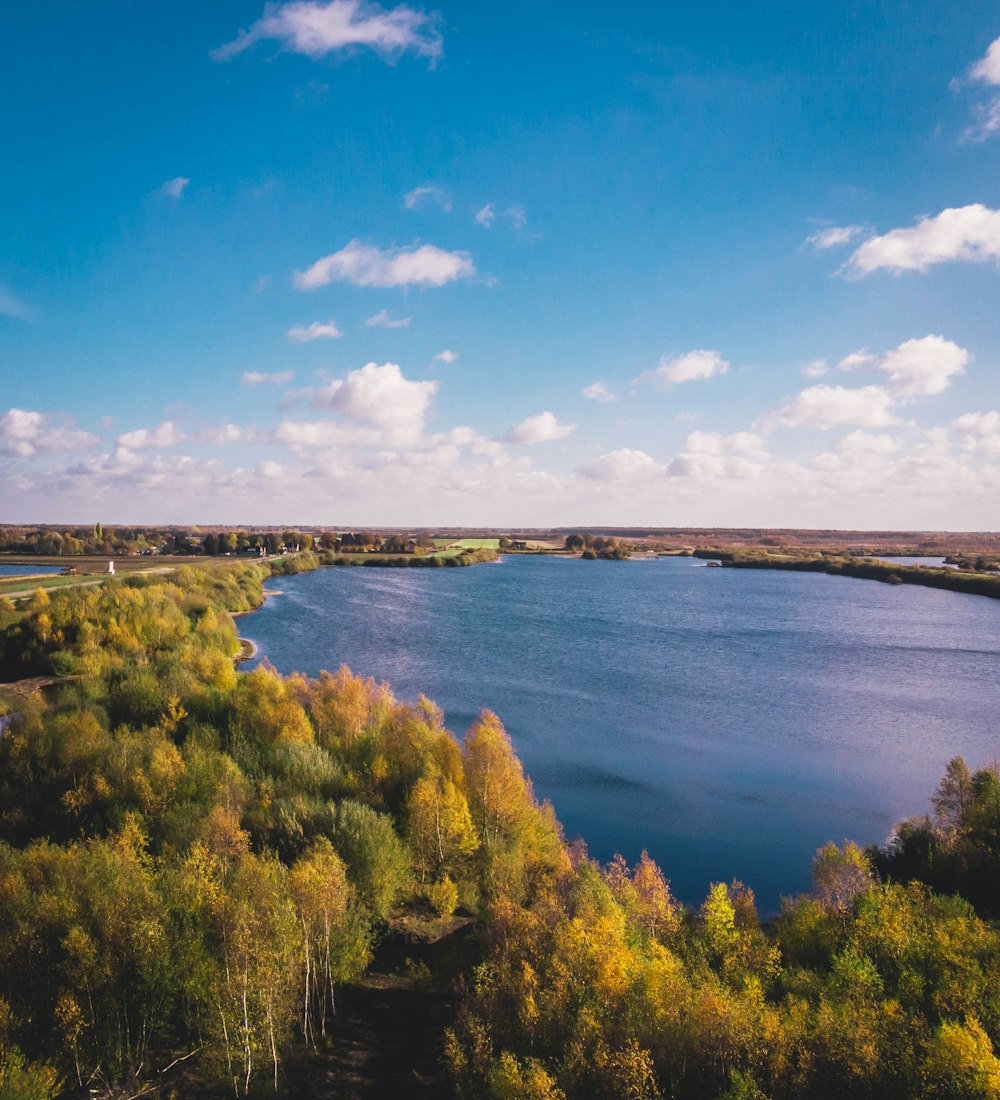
(730, 721)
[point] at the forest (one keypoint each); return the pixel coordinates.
(196, 862)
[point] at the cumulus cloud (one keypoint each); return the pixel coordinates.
(175, 187)
(816, 369)
(979, 431)
(383, 320)
(624, 465)
(25, 433)
(970, 234)
(486, 215)
(834, 236)
(256, 378)
(715, 443)
(165, 434)
(227, 433)
(382, 396)
(318, 330)
(543, 428)
(922, 367)
(700, 363)
(712, 455)
(446, 356)
(468, 437)
(366, 265)
(299, 435)
(428, 193)
(827, 407)
(317, 29)
(858, 450)
(597, 391)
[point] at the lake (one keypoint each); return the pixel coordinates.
(728, 720)
(27, 570)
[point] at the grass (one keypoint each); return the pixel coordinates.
(468, 544)
(378, 555)
(29, 583)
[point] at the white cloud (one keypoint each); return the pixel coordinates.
(980, 431)
(25, 433)
(269, 469)
(712, 455)
(383, 320)
(175, 187)
(366, 265)
(468, 437)
(834, 236)
(624, 465)
(816, 369)
(515, 214)
(714, 443)
(429, 192)
(987, 69)
(446, 356)
(384, 397)
(318, 330)
(298, 435)
(700, 363)
(165, 434)
(226, 433)
(921, 367)
(827, 407)
(316, 29)
(543, 428)
(987, 121)
(256, 378)
(970, 234)
(597, 391)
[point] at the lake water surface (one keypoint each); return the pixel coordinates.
(7, 570)
(728, 720)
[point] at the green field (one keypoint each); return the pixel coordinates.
(377, 555)
(477, 544)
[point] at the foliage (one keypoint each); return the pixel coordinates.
(196, 858)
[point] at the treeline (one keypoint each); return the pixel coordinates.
(953, 580)
(97, 540)
(592, 547)
(193, 861)
(129, 541)
(606, 987)
(419, 560)
(956, 849)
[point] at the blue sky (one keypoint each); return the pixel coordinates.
(330, 262)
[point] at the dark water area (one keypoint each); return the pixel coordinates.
(730, 721)
(27, 570)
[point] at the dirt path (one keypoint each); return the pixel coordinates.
(386, 1043)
